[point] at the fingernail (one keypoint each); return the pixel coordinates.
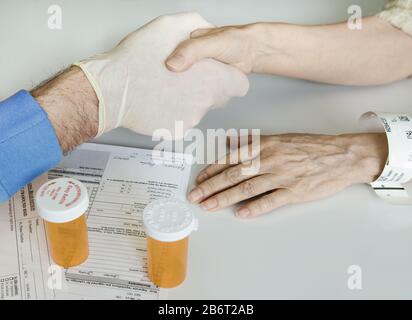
(195, 195)
(209, 204)
(243, 212)
(202, 177)
(176, 62)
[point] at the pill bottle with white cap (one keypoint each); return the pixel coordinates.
(168, 224)
(62, 203)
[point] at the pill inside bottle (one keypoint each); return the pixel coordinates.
(168, 224)
(62, 203)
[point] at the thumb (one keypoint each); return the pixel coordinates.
(191, 51)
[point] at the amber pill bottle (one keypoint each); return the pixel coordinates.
(168, 224)
(62, 203)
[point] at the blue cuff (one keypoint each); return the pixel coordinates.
(28, 143)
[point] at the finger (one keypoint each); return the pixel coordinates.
(210, 171)
(193, 50)
(228, 178)
(243, 154)
(267, 203)
(245, 190)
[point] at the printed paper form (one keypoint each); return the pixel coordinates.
(121, 181)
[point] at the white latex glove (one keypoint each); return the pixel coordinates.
(137, 91)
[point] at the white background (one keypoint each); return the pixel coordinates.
(296, 252)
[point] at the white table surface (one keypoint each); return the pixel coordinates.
(302, 251)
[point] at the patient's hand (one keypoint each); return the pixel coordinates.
(137, 91)
(293, 168)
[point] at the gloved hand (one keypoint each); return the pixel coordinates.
(137, 91)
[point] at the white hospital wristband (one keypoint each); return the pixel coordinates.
(391, 184)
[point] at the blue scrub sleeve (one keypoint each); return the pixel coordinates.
(28, 143)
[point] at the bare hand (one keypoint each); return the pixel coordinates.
(293, 168)
(323, 53)
(230, 45)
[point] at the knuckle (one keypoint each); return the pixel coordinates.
(224, 198)
(258, 164)
(251, 168)
(210, 169)
(232, 175)
(300, 184)
(207, 187)
(248, 188)
(205, 173)
(265, 204)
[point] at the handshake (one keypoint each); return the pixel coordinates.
(164, 72)
(137, 91)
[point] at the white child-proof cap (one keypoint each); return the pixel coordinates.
(169, 220)
(62, 200)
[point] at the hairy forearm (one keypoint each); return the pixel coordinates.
(72, 107)
(377, 54)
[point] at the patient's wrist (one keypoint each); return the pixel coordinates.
(275, 47)
(290, 50)
(369, 152)
(72, 107)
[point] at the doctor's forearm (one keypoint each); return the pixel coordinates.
(71, 106)
(377, 54)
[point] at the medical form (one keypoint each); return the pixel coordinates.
(121, 182)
